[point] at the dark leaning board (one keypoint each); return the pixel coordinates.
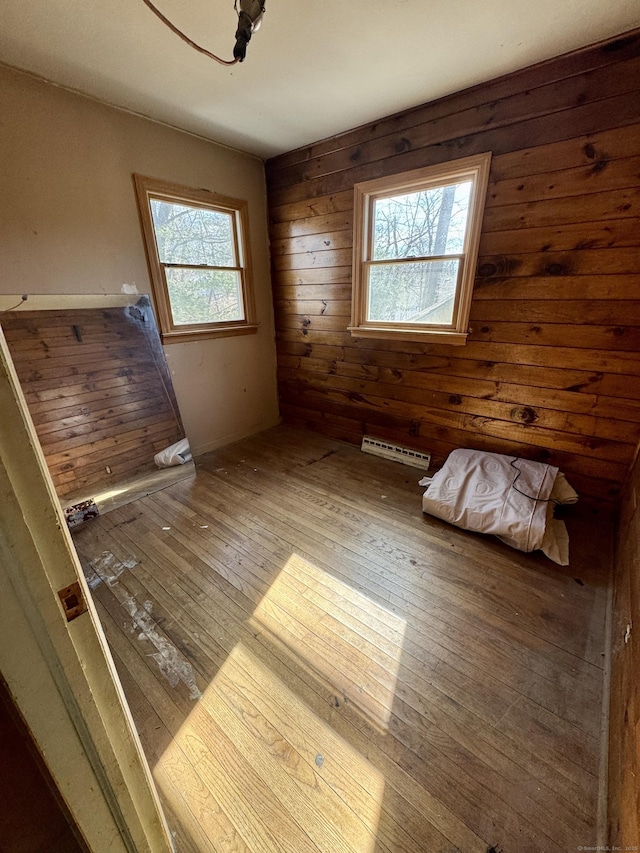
(98, 390)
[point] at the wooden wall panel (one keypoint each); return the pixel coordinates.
(624, 732)
(555, 320)
(98, 390)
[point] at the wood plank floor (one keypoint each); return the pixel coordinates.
(313, 664)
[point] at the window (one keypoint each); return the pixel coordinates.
(198, 251)
(416, 241)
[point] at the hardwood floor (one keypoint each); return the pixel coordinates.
(313, 664)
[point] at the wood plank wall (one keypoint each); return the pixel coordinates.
(624, 721)
(556, 310)
(98, 390)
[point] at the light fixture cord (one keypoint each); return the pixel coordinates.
(13, 307)
(186, 38)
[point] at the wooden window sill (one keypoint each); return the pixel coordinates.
(178, 336)
(432, 336)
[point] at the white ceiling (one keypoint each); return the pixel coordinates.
(315, 68)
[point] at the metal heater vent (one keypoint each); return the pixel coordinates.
(396, 452)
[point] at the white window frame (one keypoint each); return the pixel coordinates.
(148, 189)
(474, 168)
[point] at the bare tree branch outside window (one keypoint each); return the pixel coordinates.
(189, 237)
(422, 227)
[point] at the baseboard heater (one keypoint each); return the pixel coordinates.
(396, 452)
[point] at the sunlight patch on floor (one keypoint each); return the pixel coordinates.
(276, 769)
(350, 641)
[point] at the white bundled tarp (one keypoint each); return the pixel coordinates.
(176, 454)
(509, 497)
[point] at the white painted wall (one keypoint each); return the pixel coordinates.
(69, 225)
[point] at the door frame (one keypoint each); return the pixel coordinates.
(60, 673)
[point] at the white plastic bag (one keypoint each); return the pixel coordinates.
(176, 454)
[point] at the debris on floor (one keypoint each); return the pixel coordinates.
(77, 514)
(107, 568)
(172, 664)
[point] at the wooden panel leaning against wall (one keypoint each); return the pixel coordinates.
(551, 369)
(98, 390)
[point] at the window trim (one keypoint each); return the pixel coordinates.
(154, 188)
(476, 168)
